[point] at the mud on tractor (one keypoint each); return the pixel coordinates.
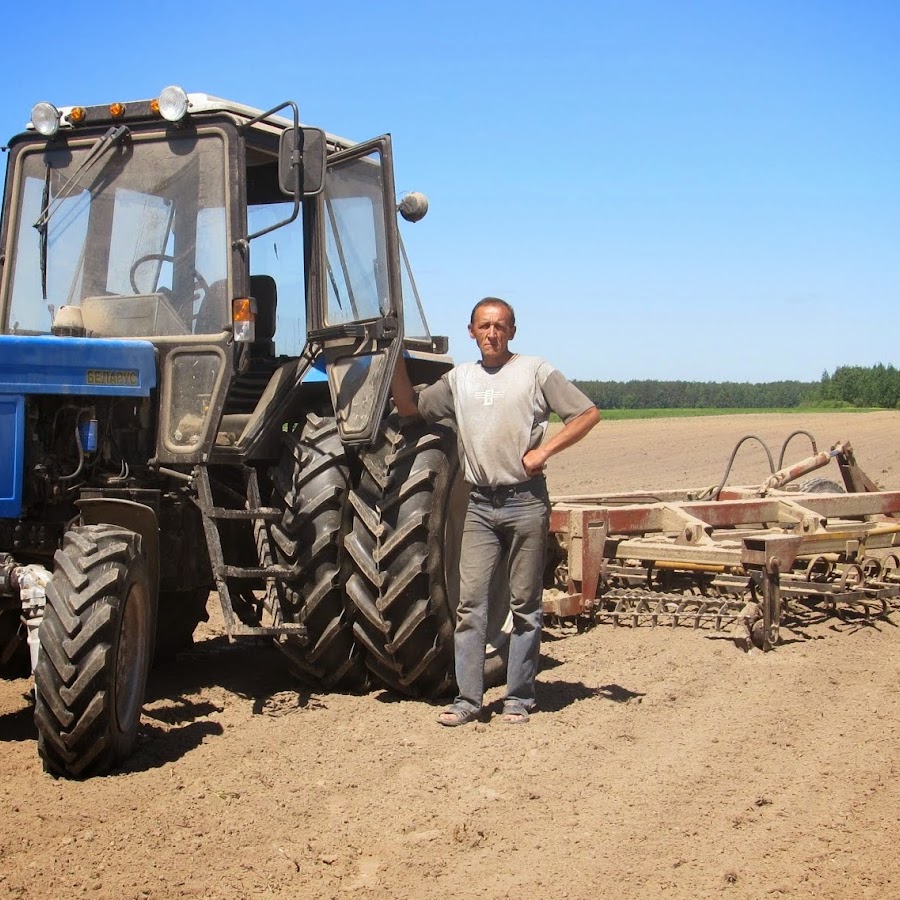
(201, 305)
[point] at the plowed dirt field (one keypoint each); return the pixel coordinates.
(662, 763)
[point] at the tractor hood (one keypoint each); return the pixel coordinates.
(43, 364)
(31, 365)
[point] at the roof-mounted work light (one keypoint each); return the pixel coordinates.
(45, 118)
(172, 103)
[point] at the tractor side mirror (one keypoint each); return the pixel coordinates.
(301, 156)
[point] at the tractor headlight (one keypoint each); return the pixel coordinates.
(173, 103)
(45, 118)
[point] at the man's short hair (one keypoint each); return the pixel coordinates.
(493, 301)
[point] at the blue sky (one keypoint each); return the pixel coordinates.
(700, 190)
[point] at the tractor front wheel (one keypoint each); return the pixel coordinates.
(96, 641)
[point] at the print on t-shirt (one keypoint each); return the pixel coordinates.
(488, 396)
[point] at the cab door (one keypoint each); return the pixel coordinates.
(356, 314)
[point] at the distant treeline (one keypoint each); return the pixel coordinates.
(862, 386)
(848, 386)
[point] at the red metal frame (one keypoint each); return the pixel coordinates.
(738, 533)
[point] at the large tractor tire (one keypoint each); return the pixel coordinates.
(311, 484)
(178, 615)
(403, 559)
(14, 657)
(96, 641)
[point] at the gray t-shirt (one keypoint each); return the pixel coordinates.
(501, 413)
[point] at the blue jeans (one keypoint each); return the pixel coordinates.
(502, 525)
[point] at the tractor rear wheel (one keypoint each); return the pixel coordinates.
(397, 556)
(96, 640)
(311, 484)
(402, 571)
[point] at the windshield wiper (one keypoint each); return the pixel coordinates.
(101, 147)
(45, 200)
(103, 144)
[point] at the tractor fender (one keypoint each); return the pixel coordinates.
(135, 517)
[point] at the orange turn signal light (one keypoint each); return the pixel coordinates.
(244, 309)
(117, 110)
(77, 115)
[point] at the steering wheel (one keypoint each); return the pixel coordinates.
(200, 283)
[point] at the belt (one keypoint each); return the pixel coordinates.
(497, 494)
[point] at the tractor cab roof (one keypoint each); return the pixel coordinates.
(172, 104)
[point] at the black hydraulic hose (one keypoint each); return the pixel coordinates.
(788, 439)
(714, 494)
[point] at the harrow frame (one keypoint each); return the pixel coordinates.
(727, 557)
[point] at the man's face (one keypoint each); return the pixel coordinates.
(493, 331)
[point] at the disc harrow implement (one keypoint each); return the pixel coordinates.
(740, 559)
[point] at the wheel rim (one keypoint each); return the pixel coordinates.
(131, 657)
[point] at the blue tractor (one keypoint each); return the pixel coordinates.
(201, 305)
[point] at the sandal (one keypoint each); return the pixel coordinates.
(457, 715)
(514, 713)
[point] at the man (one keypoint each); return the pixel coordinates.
(501, 406)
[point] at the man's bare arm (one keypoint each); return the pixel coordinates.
(572, 432)
(402, 390)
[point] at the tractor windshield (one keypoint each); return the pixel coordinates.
(136, 238)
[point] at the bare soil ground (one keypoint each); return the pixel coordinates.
(663, 763)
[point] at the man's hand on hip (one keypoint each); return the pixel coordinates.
(534, 462)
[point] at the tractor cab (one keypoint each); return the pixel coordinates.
(254, 254)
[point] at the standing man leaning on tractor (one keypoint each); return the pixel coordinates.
(501, 406)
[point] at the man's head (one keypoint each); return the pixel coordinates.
(493, 325)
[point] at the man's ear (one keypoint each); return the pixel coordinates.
(512, 332)
(471, 331)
